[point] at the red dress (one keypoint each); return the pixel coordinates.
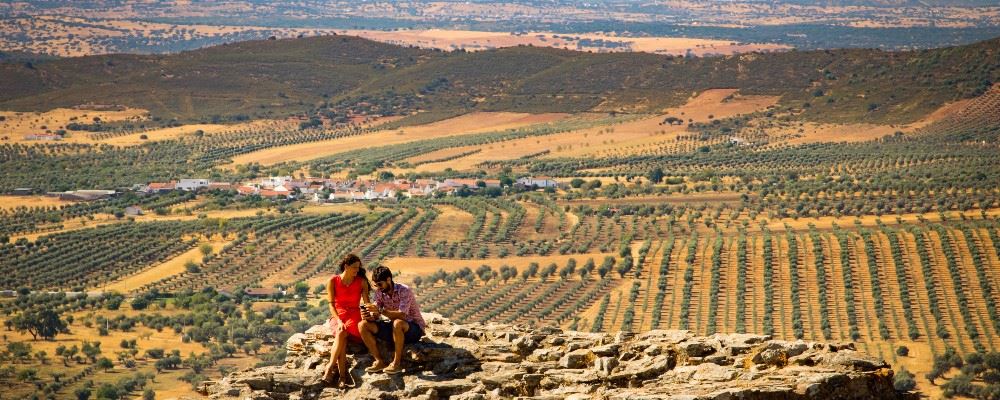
(346, 301)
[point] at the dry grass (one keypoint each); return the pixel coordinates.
(186, 130)
(19, 124)
(167, 383)
(796, 133)
(452, 224)
(480, 40)
(465, 124)
(9, 202)
(358, 207)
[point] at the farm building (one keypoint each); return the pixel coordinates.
(160, 187)
(42, 136)
(83, 195)
(192, 184)
(262, 292)
(542, 182)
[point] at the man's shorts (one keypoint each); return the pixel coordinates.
(411, 336)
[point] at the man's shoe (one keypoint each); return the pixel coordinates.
(392, 369)
(376, 367)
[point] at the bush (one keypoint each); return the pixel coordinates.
(903, 381)
(139, 303)
(154, 353)
(960, 385)
(191, 267)
(902, 351)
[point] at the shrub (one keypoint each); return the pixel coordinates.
(903, 381)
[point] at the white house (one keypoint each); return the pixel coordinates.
(349, 195)
(191, 185)
(542, 182)
(381, 191)
(275, 181)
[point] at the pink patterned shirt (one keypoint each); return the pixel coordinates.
(402, 299)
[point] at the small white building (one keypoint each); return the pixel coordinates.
(275, 181)
(542, 182)
(191, 185)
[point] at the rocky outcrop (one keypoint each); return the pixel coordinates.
(501, 361)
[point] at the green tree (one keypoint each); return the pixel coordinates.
(105, 364)
(139, 303)
(27, 375)
(206, 249)
(301, 289)
(19, 350)
(90, 350)
(656, 175)
(45, 323)
(82, 393)
(108, 391)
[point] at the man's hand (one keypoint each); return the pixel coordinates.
(371, 310)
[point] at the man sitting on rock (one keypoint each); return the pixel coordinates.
(396, 302)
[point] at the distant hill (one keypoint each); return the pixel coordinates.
(20, 56)
(327, 74)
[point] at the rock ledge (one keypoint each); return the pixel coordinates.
(491, 361)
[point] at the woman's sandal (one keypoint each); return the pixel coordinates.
(331, 381)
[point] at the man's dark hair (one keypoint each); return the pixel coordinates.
(381, 273)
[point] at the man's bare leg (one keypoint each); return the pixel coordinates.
(399, 329)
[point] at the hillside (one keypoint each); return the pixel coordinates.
(331, 74)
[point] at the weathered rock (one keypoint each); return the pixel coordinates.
(492, 361)
(577, 359)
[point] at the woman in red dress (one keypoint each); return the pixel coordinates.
(345, 292)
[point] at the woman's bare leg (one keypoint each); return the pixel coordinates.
(339, 354)
(334, 355)
(342, 364)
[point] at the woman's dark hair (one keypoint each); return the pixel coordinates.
(381, 273)
(351, 259)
